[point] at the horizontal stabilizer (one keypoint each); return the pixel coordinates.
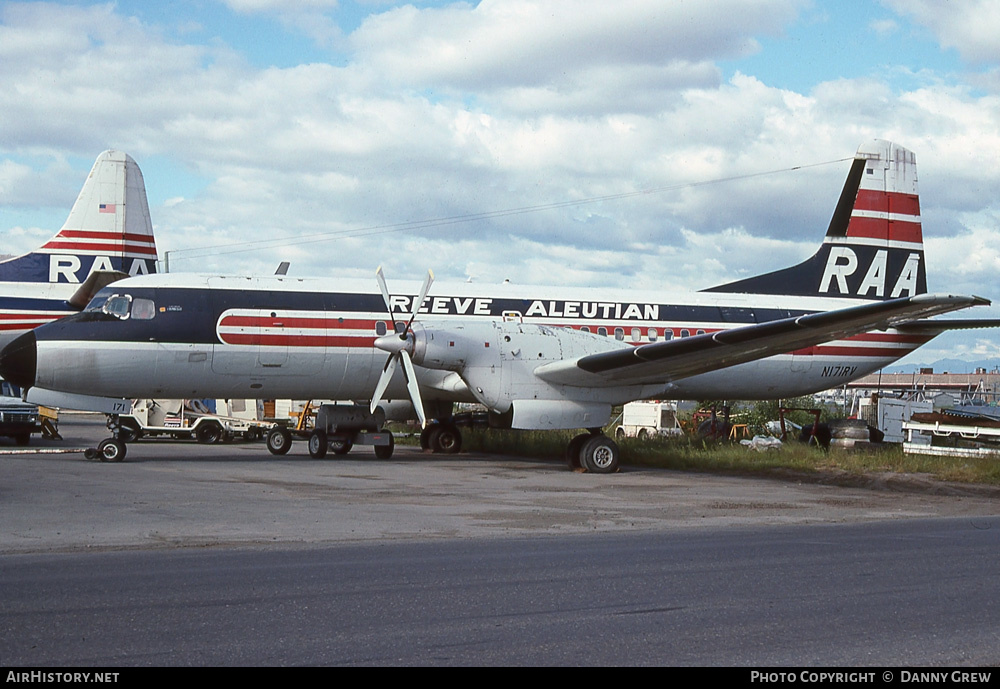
(662, 362)
(94, 283)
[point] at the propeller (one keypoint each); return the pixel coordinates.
(399, 344)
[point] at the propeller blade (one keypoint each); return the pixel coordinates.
(420, 299)
(380, 279)
(411, 385)
(398, 349)
(383, 381)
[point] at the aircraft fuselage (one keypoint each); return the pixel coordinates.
(200, 336)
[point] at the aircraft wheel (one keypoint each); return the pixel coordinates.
(446, 439)
(209, 433)
(385, 451)
(425, 435)
(279, 441)
(318, 444)
(600, 455)
(341, 446)
(111, 450)
(574, 448)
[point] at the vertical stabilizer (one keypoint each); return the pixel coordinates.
(108, 230)
(873, 247)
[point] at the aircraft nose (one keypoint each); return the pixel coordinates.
(18, 361)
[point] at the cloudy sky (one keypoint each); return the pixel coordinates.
(578, 142)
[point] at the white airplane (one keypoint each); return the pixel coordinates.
(108, 236)
(536, 357)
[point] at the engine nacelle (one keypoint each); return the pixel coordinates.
(558, 414)
(402, 410)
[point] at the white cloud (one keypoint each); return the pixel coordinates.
(970, 27)
(458, 110)
(277, 6)
(585, 54)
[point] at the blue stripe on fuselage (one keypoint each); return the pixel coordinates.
(190, 315)
(34, 304)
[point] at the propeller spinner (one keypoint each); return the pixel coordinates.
(399, 345)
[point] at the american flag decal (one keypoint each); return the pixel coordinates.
(107, 207)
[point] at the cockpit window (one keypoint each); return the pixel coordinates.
(143, 309)
(118, 306)
(123, 307)
(96, 304)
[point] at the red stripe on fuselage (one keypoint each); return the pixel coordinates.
(878, 352)
(280, 340)
(319, 322)
(889, 337)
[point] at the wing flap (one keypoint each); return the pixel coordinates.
(938, 327)
(675, 359)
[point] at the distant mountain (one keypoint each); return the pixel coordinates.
(947, 366)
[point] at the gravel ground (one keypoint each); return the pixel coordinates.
(171, 494)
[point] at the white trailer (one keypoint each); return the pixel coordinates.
(888, 414)
(649, 419)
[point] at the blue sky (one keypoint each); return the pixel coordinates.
(258, 120)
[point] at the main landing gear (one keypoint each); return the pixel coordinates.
(441, 437)
(593, 452)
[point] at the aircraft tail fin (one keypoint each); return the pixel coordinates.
(873, 248)
(108, 230)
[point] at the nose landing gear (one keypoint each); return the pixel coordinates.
(111, 449)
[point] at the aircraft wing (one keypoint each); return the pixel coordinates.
(689, 356)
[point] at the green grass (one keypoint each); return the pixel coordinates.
(691, 455)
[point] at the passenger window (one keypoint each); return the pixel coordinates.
(700, 332)
(585, 328)
(652, 334)
(602, 331)
(380, 328)
(399, 327)
(668, 334)
(685, 333)
(619, 333)
(636, 334)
